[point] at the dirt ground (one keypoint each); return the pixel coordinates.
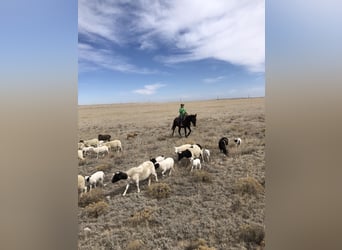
(220, 207)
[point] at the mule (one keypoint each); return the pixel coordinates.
(185, 124)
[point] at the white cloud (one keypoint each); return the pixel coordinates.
(149, 89)
(213, 80)
(97, 19)
(231, 31)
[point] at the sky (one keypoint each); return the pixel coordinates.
(161, 51)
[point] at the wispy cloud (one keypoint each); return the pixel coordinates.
(231, 31)
(213, 80)
(149, 89)
(99, 19)
(91, 58)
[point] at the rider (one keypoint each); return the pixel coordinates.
(182, 113)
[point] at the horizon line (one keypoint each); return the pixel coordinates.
(195, 100)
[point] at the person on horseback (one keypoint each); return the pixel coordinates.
(182, 114)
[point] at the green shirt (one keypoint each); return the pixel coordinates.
(182, 111)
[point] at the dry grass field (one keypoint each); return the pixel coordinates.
(221, 206)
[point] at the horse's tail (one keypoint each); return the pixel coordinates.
(173, 125)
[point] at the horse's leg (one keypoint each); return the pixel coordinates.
(189, 130)
(185, 131)
(174, 125)
(179, 131)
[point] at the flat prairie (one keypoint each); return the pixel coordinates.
(221, 206)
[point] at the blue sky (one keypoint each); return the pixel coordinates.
(156, 51)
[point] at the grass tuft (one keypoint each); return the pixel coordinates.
(199, 244)
(103, 167)
(252, 233)
(119, 160)
(135, 245)
(236, 204)
(161, 138)
(81, 162)
(140, 217)
(248, 185)
(159, 190)
(202, 176)
(96, 209)
(95, 195)
(247, 151)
